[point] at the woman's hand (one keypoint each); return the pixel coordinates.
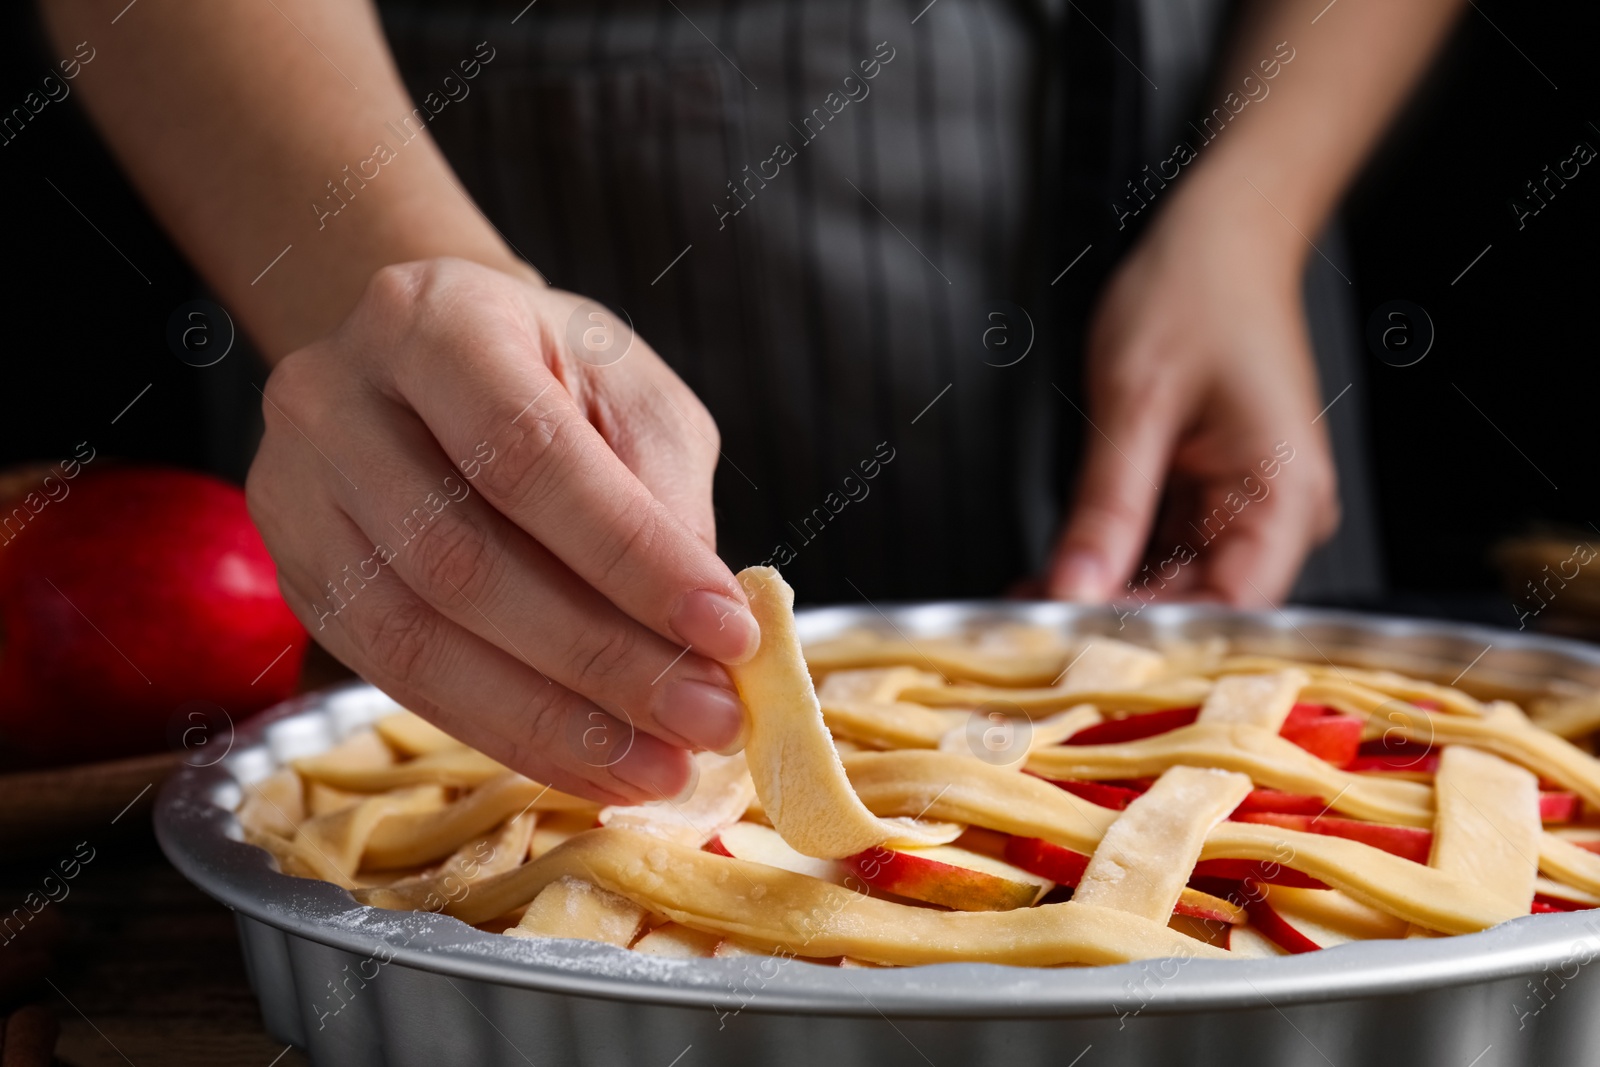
(1206, 474)
(494, 501)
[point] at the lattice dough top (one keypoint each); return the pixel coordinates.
(1011, 795)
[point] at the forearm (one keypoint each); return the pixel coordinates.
(233, 124)
(1282, 162)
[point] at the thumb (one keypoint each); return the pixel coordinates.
(1118, 490)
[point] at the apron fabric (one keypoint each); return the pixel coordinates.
(843, 223)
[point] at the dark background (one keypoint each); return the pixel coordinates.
(1514, 91)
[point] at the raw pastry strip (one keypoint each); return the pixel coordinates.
(1260, 700)
(721, 797)
(889, 725)
(404, 840)
(1268, 759)
(1386, 684)
(874, 685)
(1160, 696)
(797, 773)
(330, 846)
(1146, 857)
(462, 768)
(967, 790)
(411, 735)
(1487, 829)
(1510, 736)
(776, 909)
(1106, 663)
(946, 657)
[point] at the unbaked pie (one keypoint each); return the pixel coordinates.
(1009, 796)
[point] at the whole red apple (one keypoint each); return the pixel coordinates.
(126, 594)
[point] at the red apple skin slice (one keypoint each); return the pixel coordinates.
(1556, 807)
(1408, 842)
(1263, 872)
(1062, 866)
(1133, 727)
(922, 878)
(1271, 800)
(1384, 754)
(1065, 867)
(1323, 732)
(1115, 797)
(1543, 905)
(1276, 928)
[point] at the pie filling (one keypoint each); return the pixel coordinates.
(1007, 796)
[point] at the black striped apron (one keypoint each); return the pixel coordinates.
(845, 224)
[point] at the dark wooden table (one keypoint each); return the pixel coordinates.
(137, 965)
(149, 971)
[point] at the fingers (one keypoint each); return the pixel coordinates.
(556, 477)
(476, 568)
(1118, 489)
(1255, 561)
(476, 692)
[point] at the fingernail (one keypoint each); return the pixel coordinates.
(1079, 576)
(656, 770)
(717, 626)
(705, 716)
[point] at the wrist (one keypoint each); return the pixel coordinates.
(1226, 211)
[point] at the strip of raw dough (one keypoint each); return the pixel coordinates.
(461, 768)
(411, 735)
(721, 795)
(970, 791)
(889, 725)
(771, 908)
(1106, 663)
(876, 685)
(1260, 700)
(1387, 685)
(1050, 730)
(330, 846)
(572, 907)
(1159, 696)
(802, 786)
(947, 657)
(1268, 759)
(1487, 829)
(1566, 862)
(1508, 735)
(408, 839)
(1146, 857)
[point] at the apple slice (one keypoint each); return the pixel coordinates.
(1550, 895)
(1392, 756)
(762, 844)
(1559, 806)
(1408, 842)
(1065, 866)
(1274, 800)
(678, 942)
(1133, 727)
(1323, 917)
(954, 877)
(1264, 872)
(1323, 732)
(1105, 794)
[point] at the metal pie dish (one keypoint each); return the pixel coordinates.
(359, 985)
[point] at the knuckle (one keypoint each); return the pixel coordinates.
(535, 740)
(398, 287)
(600, 659)
(615, 547)
(535, 465)
(401, 639)
(453, 556)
